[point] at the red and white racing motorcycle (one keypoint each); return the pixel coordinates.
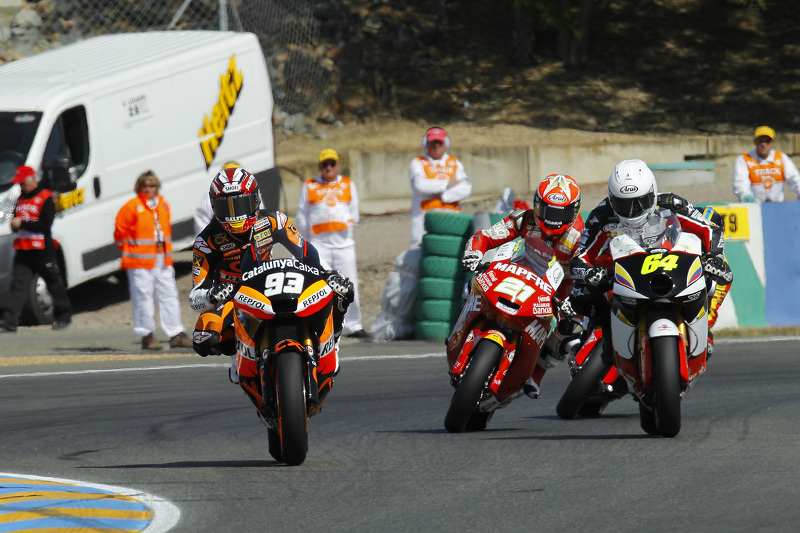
(496, 341)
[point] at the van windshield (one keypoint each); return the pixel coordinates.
(17, 130)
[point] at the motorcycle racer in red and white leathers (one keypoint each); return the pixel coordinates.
(632, 198)
(217, 255)
(554, 218)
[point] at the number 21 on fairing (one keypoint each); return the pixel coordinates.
(516, 288)
(288, 283)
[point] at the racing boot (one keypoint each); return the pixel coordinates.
(532, 386)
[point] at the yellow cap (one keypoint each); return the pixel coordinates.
(764, 131)
(328, 154)
(231, 164)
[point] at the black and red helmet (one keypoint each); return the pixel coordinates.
(235, 199)
(556, 203)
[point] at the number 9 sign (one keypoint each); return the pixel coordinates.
(737, 221)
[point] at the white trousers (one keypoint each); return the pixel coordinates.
(155, 285)
(344, 260)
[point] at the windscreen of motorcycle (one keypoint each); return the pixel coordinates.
(661, 231)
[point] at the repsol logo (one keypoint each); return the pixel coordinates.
(248, 301)
(628, 189)
(230, 85)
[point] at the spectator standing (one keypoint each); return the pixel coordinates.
(143, 232)
(438, 181)
(35, 252)
(759, 175)
(327, 213)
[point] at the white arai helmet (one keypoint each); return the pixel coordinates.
(632, 192)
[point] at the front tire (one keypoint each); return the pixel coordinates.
(667, 376)
(583, 385)
(290, 395)
(468, 394)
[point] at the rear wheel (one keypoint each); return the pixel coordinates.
(582, 386)
(291, 400)
(667, 377)
(647, 419)
(468, 394)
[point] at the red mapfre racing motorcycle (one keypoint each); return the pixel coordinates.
(284, 348)
(501, 330)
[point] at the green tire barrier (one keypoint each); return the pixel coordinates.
(444, 223)
(443, 245)
(441, 277)
(440, 288)
(434, 266)
(439, 310)
(432, 331)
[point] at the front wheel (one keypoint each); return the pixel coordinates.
(583, 384)
(290, 395)
(466, 397)
(667, 377)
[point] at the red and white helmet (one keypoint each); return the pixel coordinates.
(556, 203)
(235, 199)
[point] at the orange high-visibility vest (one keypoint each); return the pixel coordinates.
(439, 173)
(765, 174)
(136, 230)
(336, 197)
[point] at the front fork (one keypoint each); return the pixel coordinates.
(306, 348)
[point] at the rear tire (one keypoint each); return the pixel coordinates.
(274, 440)
(583, 385)
(468, 394)
(667, 377)
(291, 399)
(647, 419)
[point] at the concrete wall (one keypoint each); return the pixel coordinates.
(382, 177)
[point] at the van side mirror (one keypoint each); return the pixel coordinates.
(60, 176)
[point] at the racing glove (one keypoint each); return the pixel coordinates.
(221, 292)
(597, 278)
(471, 260)
(715, 266)
(565, 309)
(343, 288)
(674, 203)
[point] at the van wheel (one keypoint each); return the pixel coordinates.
(38, 307)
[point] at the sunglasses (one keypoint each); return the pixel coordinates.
(326, 164)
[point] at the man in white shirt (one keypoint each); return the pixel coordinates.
(438, 181)
(760, 174)
(327, 212)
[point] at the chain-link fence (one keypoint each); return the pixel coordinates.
(287, 30)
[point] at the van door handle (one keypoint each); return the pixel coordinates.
(97, 186)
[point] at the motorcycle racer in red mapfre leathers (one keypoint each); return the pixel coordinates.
(217, 255)
(555, 218)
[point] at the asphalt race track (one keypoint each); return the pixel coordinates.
(380, 460)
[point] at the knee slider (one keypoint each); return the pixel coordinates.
(206, 343)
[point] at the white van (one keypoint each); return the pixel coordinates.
(94, 115)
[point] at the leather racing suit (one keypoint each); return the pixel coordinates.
(522, 223)
(216, 260)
